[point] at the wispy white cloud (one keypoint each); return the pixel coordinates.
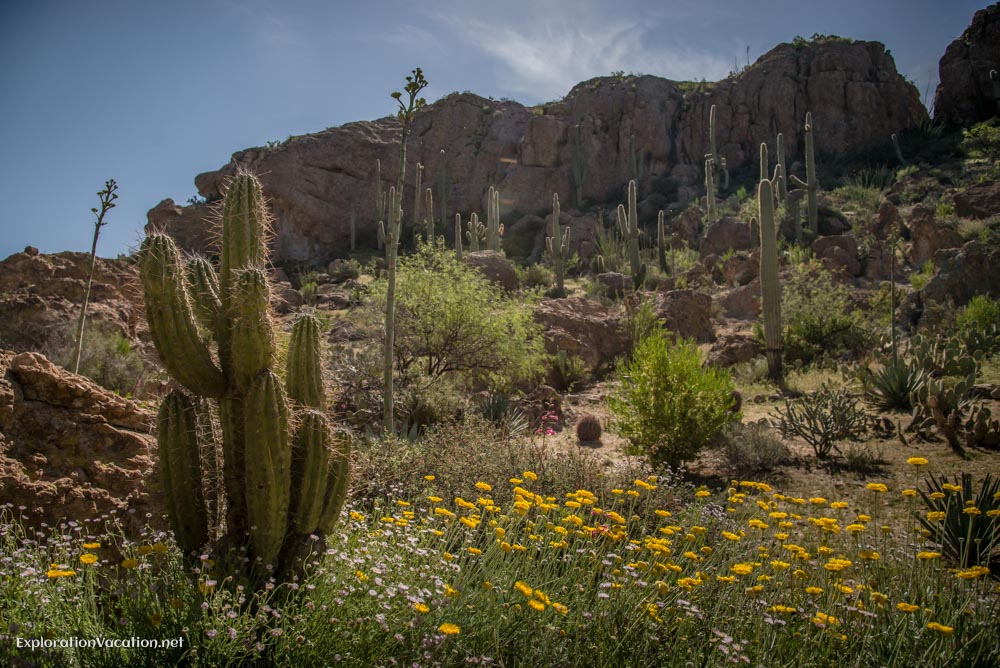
(543, 56)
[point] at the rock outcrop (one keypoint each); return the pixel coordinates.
(581, 327)
(315, 182)
(40, 298)
(962, 273)
(69, 449)
(966, 95)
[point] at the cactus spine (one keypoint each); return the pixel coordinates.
(494, 229)
(628, 224)
(558, 246)
(253, 410)
(770, 289)
(811, 184)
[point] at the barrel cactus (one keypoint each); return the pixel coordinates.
(284, 469)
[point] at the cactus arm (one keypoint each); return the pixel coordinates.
(712, 212)
(171, 321)
(782, 184)
(203, 285)
(303, 370)
(310, 470)
(558, 246)
(180, 471)
(338, 481)
(268, 466)
(252, 332)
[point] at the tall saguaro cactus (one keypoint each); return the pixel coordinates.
(661, 242)
(628, 224)
(475, 233)
(811, 184)
(712, 213)
(458, 236)
(261, 485)
(429, 214)
(558, 246)
(770, 288)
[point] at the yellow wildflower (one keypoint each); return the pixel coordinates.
(91, 546)
(927, 555)
(449, 629)
(916, 461)
(130, 563)
(88, 558)
(421, 608)
(907, 607)
(941, 628)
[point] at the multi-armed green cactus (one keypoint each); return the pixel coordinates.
(718, 170)
(558, 246)
(494, 229)
(770, 289)
(811, 184)
(628, 224)
(263, 486)
(476, 232)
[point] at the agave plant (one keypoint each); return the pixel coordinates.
(888, 387)
(963, 522)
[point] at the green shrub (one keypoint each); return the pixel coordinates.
(112, 361)
(535, 276)
(452, 320)
(753, 448)
(568, 371)
(978, 323)
(668, 405)
(818, 320)
(983, 140)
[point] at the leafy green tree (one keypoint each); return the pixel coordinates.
(451, 320)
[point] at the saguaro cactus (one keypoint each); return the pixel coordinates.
(661, 242)
(261, 487)
(783, 179)
(458, 236)
(494, 230)
(475, 233)
(811, 184)
(770, 289)
(558, 246)
(711, 211)
(628, 224)
(429, 214)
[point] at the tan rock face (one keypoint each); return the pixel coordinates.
(69, 449)
(315, 182)
(40, 297)
(581, 327)
(965, 94)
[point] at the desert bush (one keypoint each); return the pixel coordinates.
(978, 324)
(822, 419)
(983, 140)
(963, 522)
(818, 320)
(107, 357)
(536, 275)
(753, 448)
(451, 320)
(588, 428)
(919, 279)
(668, 405)
(343, 270)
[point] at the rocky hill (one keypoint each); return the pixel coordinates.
(604, 132)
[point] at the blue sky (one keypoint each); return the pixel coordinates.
(151, 93)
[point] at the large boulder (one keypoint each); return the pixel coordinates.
(315, 182)
(961, 274)
(69, 449)
(494, 266)
(725, 234)
(927, 236)
(979, 201)
(581, 327)
(686, 313)
(966, 95)
(838, 253)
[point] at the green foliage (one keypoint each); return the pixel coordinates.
(536, 275)
(568, 371)
(888, 387)
(452, 320)
(112, 361)
(978, 323)
(669, 406)
(920, 278)
(966, 537)
(817, 318)
(753, 448)
(983, 140)
(822, 419)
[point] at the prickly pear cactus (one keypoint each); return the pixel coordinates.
(272, 505)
